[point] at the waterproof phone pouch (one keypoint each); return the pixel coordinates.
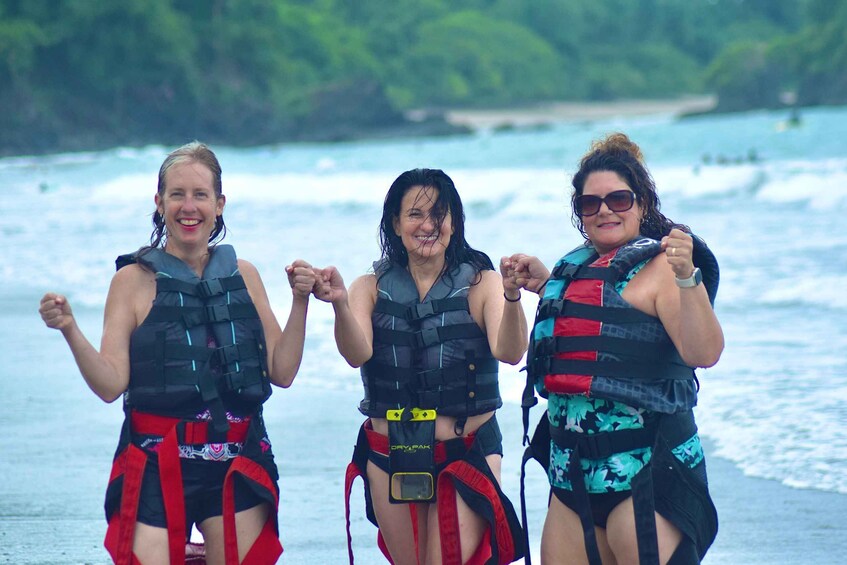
(411, 455)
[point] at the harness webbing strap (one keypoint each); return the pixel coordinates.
(132, 462)
(267, 547)
(130, 465)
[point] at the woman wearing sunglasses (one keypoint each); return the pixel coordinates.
(623, 321)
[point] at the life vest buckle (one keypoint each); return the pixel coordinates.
(217, 313)
(427, 337)
(421, 310)
(209, 288)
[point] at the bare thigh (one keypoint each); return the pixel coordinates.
(395, 520)
(562, 540)
(471, 525)
(248, 525)
(620, 528)
(150, 545)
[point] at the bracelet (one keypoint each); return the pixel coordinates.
(518, 299)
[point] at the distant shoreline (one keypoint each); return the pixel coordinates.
(556, 112)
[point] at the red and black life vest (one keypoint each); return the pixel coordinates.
(588, 340)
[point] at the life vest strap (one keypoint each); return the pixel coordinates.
(572, 271)
(203, 289)
(651, 351)
(245, 349)
(428, 336)
(556, 308)
(421, 310)
(631, 369)
(192, 316)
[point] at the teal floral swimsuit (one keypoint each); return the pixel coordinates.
(592, 415)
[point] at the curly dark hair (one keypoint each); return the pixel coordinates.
(619, 154)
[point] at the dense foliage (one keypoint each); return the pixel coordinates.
(78, 74)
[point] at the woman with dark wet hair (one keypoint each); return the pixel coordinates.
(623, 321)
(428, 328)
(192, 346)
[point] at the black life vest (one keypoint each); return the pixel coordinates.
(430, 353)
(202, 345)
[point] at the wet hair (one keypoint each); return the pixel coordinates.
(194, 152)
(620, 155)
(446, 201)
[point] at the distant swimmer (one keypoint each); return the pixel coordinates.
(794, 120)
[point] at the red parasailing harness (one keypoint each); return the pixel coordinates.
(465, 472)
(129, 467)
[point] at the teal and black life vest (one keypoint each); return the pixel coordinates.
(588, 340)
(202, 345)
(430, 353)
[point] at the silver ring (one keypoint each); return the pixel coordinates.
(673, 251)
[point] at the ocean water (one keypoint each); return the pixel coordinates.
(770, 201)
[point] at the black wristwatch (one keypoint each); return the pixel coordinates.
(692, 281)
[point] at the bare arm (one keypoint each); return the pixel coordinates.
(505, 322)
(106, 372)
(686, 313)
(285, 347)
(353, 311)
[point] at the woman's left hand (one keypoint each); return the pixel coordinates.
(679, 249)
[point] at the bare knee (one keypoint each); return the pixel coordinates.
(150, 545)
(623, 538)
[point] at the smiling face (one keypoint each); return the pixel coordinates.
(189, 205)
(608, 230)
(418, 227)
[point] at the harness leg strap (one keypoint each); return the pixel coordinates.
(581, 495)
(484, 498)
(267, 547)
(170, 478)
(121, 531)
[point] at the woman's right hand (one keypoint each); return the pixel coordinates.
(528, 271)
(329, 286)
(56, 312)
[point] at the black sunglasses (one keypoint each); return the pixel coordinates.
(617, 201)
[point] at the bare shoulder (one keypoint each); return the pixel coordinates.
(490, 284)
(250, 274)
(133, 278)
(247, 269)
(252, 280)
(365, 284)
(651, 281)
(130, 297)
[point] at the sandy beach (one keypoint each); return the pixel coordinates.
(544, 114)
